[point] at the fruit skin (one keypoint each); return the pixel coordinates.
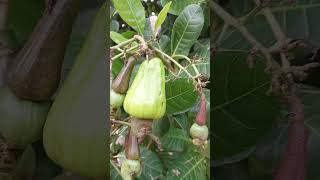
(146, 97)
(34, 74)
(21, 121)
(116, 99)
(199, 132)
(129, 168)
(74, 135)
(121, 83)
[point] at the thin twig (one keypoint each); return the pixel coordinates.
(175, 62)
(230, 20)
(277, 31)
(120, 122)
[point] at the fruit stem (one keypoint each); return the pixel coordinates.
(120, 122)
(175, 62)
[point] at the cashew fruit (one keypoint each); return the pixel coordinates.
(21, 121)
(130, 168)
(34, 74)
(75, 133)
(199, 132)
(121, 83)
(146, 97)
(116, 99)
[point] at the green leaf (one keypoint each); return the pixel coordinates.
(243, 112)
(21, 20)
(202, 51)
(239, 172)
(152, 167)
(178, 5)
(128, 34)
(147, 34)
(114, 26)
(116, 37)
(116, 66)
(186, 29)
(159, 128)
(115, 173)
(132, 12)
(162, 15)
(266, 157)
(180, 95)
(187, 166)
(181, 121)
(26, 166)
(175, 140)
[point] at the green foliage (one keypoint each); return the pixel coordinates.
(132, 12)
(179, 35)
(186, 30)
(178, 6)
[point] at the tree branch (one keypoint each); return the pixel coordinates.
(230, 20)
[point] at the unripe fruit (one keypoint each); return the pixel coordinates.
(121, 83)
(116, 100)
(199, 132)
(146, 97)
(130, 168)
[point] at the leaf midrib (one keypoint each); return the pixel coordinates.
(240, 97)
(193, 167)
(138, 26)
(183, 33)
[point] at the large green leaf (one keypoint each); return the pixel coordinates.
(186, 29)
(151, 165)
(180, 95)
(243, 112)
(21, 20)
(159, 128)
(175, 140)
(181, 121)
(178, 5)
(132, 12)
(187, 166)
